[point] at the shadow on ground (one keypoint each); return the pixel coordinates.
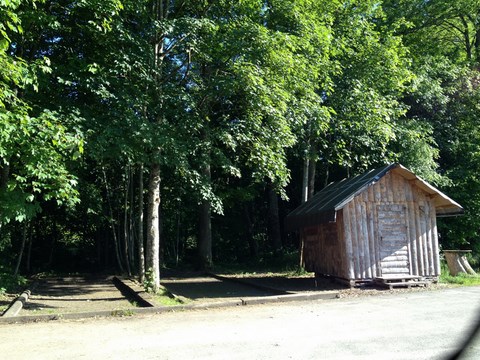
(74, 294)
(294, 284)
(198, 286)
(203, 287)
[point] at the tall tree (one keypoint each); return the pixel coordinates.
(443, 40)
(251, 70)
(36, 143)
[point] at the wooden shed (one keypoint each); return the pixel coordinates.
(380, 225)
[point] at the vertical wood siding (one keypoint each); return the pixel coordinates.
(351, 248)
(322, 245)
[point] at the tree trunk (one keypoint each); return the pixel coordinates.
(306, 167)
(312, 172)
(53, 243)
(153, 229)
(112, 225)
(327, 175)
(160, 11)
(466, 37)
(131, 217)
(205, 228)
(477, 44)
(125, 222)
(177, 236)
(28, 266)
(274, 220)
(141, 253)
(22, 248)
(252, 243)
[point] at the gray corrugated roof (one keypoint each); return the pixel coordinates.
(324, 204)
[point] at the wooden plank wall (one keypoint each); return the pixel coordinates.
(322, 248)
(361, 250)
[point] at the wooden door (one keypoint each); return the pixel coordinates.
(392, 231)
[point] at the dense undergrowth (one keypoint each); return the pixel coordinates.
(284, 262)
(10, 283)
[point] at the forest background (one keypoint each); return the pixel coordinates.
(140, 134)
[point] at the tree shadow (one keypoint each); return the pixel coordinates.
(196, 285)
(201, 288)
(73, 293)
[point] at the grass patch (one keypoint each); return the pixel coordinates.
(122, 312)
(460, 279)
(164, 298)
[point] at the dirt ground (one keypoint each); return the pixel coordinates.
(78, 294)
(74, 294)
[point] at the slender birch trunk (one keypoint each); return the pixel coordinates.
(160, 13)
(205, 228)
(306, 167)
(125, 223)
(141, 253)
(312, 171)
(153, 229)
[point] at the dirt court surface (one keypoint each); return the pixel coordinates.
(412, 325)
(211, 288)
(90, 294)
(62, 295)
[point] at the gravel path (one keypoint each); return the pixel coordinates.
(414, 325)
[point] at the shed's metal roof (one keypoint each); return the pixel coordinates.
(323, 205)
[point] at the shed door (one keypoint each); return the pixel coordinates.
(392, 230)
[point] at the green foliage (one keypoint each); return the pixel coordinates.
(35, 151)
(238, 92)
(442, 38)
(165, 298)
(9, 283)
(122, 312)
(149, 282)
(460, 279)
(35, 144)
(284, 262)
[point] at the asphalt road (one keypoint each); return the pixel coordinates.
(419, 325)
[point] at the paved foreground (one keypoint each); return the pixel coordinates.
(421, 325)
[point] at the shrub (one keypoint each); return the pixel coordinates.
(10, 283)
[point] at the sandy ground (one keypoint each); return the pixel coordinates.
(411, 325)
(61, 295)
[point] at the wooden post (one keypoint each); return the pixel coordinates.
(353, 228)
(348, 242)
(419, 239)
(428, 235)
(371, 238)
(436, 250)
(413, 238)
